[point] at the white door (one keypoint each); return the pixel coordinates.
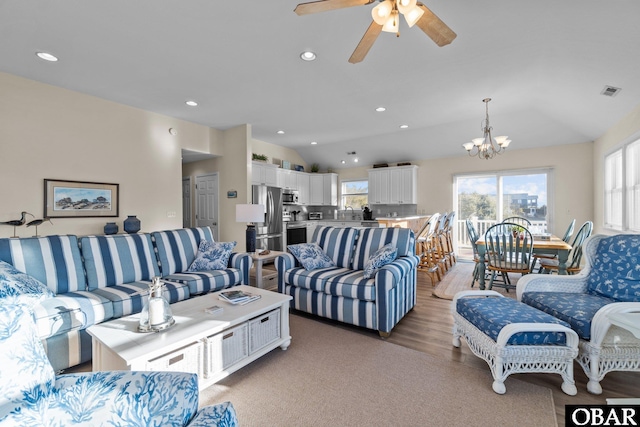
(207, 202)
(186, 202)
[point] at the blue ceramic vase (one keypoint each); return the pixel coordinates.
(111, 228)
(131, 224)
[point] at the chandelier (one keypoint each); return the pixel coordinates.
(387, 14)
(487, 147)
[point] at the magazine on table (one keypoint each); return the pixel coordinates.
(238, 297)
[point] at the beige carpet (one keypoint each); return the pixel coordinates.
(332, 376)
(458, 279)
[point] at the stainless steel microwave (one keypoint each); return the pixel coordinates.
(289, 197)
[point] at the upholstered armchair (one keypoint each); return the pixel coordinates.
(601, 303)
(31, 395)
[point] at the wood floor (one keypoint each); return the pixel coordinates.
(427, 328)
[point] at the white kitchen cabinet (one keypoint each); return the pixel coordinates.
(287, 179)
(303, 188)
(394, 185)
(323, 189)
(264, 174)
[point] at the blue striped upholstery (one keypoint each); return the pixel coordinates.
(204, 282)
(119, 259)
(68, 349)
(129, 298)
(53, 260)
(372, 239)
(344, 294)
(70, 312)
(177, 249)
(337, 243)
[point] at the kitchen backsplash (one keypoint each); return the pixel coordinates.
(332, 212)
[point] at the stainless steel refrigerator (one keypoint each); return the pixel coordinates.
(269, 234)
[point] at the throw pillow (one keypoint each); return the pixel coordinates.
(311, 256)
(383, 256)
(212, 256)
(17, 287)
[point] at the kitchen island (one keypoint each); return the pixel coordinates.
(414, 222)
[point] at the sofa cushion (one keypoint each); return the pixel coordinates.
(53, 260)
(574, 308)
(221, 415)
(118, 259)
(333, 281)
(69, 312)
(212, 256)
(129, 298)
(382, 257)
(337, 243)
(490, 315)
(20, 288)
(177, 249)
(311, 256)
(207, 281)
(27, 377)
(372, 239)
(615, 272)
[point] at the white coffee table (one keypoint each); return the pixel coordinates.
(211, 345)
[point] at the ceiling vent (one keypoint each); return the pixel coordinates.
(610, 91)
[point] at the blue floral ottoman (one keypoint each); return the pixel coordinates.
(513, 337)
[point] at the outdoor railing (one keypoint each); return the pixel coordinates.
(482, 225)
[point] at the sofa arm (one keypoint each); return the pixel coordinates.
(391, 274)
(601, 322)
(222, 415)
(243, 262)
(550, 283)
(283, 263)
(124, 398)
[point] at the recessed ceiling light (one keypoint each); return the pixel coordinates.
(191, 103)
(280, 132)
(343, 162)
(381, 109)
(47, 56)
(404, 126)
(314, 143)
(355, 160)
(308, 56)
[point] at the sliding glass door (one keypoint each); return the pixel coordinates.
(489, 198)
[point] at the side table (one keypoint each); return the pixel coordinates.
(259, 260)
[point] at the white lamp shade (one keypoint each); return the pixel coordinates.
(478, 141)
(501, 139)
(412, 16)
(505, 143)
(381, 12)
(250, 213)
(392, 23)
(468, 146)
(405, 6)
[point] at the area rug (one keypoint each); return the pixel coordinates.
(332, 376)
(458, 278)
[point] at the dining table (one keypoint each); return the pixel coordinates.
(552, 245)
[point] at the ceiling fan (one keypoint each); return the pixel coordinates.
(386, 17)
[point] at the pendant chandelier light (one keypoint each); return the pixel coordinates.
(387, 14)
(487, 147)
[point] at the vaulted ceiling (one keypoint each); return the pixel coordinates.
(544, 64)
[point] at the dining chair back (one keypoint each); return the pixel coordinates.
(569, 232)
(518, 220)
(575, 254)
(508, 251)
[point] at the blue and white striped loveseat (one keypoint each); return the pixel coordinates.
(98, 278)
(341, 292)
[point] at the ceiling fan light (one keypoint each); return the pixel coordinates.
(381, 12)
(405, 6)
(392, 23)
(413, 16)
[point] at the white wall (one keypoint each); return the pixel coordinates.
(54, 133)
(620, 133)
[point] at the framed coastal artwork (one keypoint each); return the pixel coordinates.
(73, 199)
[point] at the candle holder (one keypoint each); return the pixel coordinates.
(156, 313)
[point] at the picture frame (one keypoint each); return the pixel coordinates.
(80, 199)
(232, 194)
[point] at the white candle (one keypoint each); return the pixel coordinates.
(156, 308)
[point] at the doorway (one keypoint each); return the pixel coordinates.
(207, 202)
(186, 202)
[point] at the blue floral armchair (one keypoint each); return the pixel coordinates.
(31, 394)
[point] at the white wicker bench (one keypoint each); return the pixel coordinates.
(535, 346)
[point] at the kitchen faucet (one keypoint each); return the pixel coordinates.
(353, 214)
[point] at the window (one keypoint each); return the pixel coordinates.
(354, 194)
(622, 188)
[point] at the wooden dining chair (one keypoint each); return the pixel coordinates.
(518, 220)
(507, 253)
(567, 236)
(575, 254)
(428, 249)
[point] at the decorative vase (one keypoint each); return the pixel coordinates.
(111, 228)
(156, 312)
(131, 224)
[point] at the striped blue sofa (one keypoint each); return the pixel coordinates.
(342, 293)
(98, 278)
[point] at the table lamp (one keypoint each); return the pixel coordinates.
(250, 214)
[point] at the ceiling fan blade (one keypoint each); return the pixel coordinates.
(326, 5)
(365, 44)
(433, 26)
